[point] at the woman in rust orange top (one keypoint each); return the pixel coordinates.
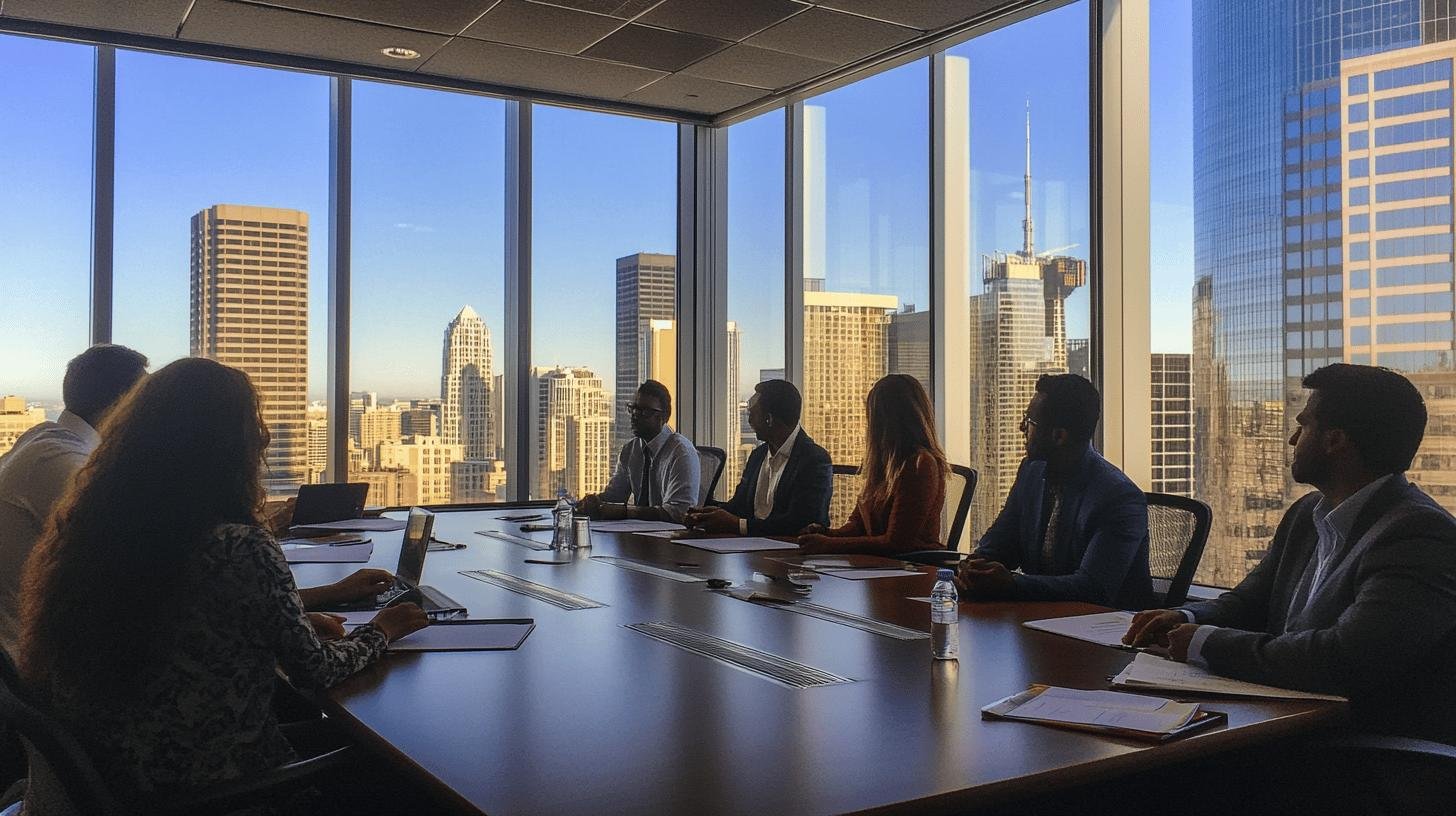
(904, 473)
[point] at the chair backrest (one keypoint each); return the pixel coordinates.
(50, 744)
(1177, 531)
(960, 488)
(711, 461)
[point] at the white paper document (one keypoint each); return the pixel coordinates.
(1148, 671)
(1106, 708)
(295, 553)
(1103, 628)
(634, 526)
(739, 545)
(371, 525)
(865, 574)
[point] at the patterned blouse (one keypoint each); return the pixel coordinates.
(205, 714)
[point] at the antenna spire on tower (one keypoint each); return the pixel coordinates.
(1028, 231)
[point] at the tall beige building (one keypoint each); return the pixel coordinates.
(658, 352)
(430, 459)
(316, 416)
(16, 419)
(465, 386)
(249, 310)
(380, 425)
(571, 432)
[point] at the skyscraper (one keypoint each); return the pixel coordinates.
(1172, 388)
(571, 432)
(1273, 113)
(465, 385)
(249, 310)
(646, 291)
(15, 419)
(733, 466)
(658, 358)
(1018, 333)
(907, 344)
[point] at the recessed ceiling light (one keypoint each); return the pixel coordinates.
(400, 53)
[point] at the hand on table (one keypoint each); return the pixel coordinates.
(590, 505)
(326, 626)
(816, 544)
(812, 529)
(278, 515)
(983, 578)
(1151, 628)
(362, 585)
(711, 520)
(399, 620)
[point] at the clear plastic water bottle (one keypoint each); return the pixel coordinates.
(945, 633)
(562, 534)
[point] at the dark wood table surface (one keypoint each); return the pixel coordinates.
(589, 717)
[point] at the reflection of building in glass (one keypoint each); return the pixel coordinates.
(646, 291)
(249, 310)
(1172, 424)
(571, 432)
(1274, 253)
(465, 383)
(1018, 333)
(16, 419)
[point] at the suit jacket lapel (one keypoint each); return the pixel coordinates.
(782, 490)
(1366, 529)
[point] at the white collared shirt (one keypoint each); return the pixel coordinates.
(769, 473)
(676, 473)
(33, 476)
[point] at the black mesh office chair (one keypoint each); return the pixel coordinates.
(1177, 531)
(960, 488)
(48, 742)
(711, 461)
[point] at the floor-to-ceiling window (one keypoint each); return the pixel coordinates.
(45, 224)
(426, 411)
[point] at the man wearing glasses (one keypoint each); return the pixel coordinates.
(1074, 525)
(657, 474)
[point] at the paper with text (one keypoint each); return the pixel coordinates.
(1148, 671)
(1102, 628)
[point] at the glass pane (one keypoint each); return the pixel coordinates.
(427, 297)
(866, 253)
(755, 277)
(1299, 112)
(603, 287)
(45, 223)
(222, 232)
(1029, 230)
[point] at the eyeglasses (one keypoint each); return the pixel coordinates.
(643, 410)
(1027, 420)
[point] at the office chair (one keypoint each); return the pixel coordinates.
(960, 488)
(1408, 776)
(1177, 531)
(711, 461)
(48, 744)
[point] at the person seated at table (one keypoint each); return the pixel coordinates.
(1357, 593)
(1075, 525)
(156, 608)
(787, 480)
(658, 475)
(904, 472)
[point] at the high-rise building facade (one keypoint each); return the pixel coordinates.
(571, 432)
(465, 385)
(907, 344)
(249, 310)
(1172, 388)
(15, 419)
(317, 418)
(429, 458)
(658, 356)
(733, 466)
(646, 291)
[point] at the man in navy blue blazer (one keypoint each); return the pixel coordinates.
(787, 480)
(1074, 525)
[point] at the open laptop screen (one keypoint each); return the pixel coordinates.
(417, 531)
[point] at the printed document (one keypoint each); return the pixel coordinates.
(1148, 671)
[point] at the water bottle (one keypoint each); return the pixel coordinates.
(561, 518)
(945, 633)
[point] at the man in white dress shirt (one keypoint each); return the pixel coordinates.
(658, 469)
(36, 472)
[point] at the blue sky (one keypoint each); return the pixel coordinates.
(428, 204)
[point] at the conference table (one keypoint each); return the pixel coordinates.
(590, 717)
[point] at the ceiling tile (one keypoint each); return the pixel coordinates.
(655, 47)
(159, 18)
(625, 9)
(716, 18)
(539, 70)
(926, 15)
(550, 28)
(682, 92)
(441, 16)
(758, 67)
(291, 32)
(832, 36)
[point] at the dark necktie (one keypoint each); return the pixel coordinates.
(644, 492)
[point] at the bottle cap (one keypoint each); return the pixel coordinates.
(944, 575)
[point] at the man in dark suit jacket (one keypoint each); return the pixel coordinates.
(1074, 524)
(787, 480)
(1357, 595)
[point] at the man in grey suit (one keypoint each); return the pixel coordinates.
(1357, 595)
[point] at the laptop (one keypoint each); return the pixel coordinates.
(411, 568)
(321, 503)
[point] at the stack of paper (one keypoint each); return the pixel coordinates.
(1110, 712)
(1103, 628)
(738, 544)
(633, 526)
(1148, 671)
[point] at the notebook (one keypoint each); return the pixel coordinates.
(1113, 713)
